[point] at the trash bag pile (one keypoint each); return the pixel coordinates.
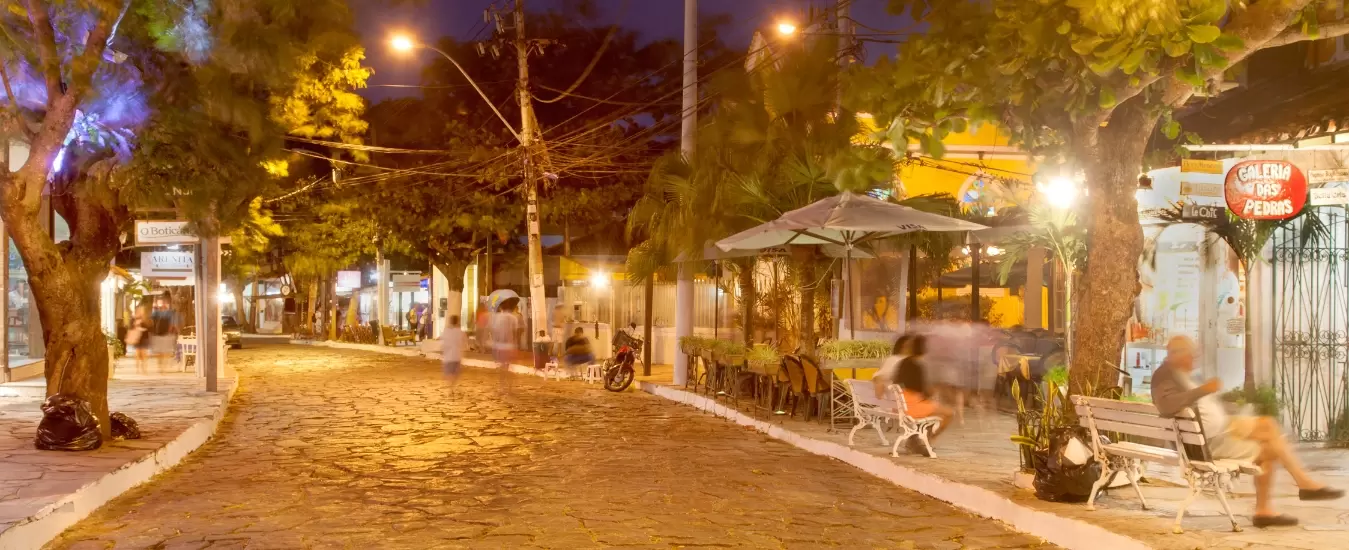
(1065, 474)
(124, 427)
(68, 424)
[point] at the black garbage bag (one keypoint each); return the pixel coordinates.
(123, 427)
(1058, 479)
(68, 424)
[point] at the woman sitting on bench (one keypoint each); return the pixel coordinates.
(905, 367)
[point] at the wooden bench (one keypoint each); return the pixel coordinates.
(393, 338)
(1142, 420)
(871, 411)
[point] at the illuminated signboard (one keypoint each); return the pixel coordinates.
(1265, 190)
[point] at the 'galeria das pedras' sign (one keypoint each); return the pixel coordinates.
(1265, 190)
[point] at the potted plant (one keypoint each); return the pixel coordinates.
(764, 358)
(728, 353)
(1046, 425)
(1263, 400)
(855, 354)
(692, 345)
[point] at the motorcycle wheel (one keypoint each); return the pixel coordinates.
(618, 378)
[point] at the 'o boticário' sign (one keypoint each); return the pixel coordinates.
(163, 232)
(1265, 190)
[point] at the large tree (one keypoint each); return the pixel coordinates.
(1089, 83)
(125, 105)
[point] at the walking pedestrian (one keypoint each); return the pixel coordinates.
(163, 333)
(453, 342)
(138, 337)
(412, 321)
(505, 332)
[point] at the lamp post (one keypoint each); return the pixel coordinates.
(1061, 193)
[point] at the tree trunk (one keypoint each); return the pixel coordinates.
(240, 316)
(747, 298)
(805, 261)
(1112, 157)
(454, 277)
(648, 299)
(311, 303)
(253, 307)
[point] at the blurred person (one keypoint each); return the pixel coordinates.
(1246, 438)
(412, 321)
(505, 329)
(453, 342)
(578, 352)
(138, 337)
(163, 333)
(482, 329)
(427, 321)
(905, 367)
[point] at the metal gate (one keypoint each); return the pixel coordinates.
(1311, 326)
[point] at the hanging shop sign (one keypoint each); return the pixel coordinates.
(1192, 189)
(173, 265)
(1315, 177)
(1201, 166)
(1265, 190)
(1328, 196)
(1199, 212)
(407, 283)
(171, 232)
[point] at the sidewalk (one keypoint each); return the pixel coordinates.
(979, 455)
(44, 492)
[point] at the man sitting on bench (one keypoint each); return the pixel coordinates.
(1249, 438)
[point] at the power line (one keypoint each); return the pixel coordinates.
(593, 61)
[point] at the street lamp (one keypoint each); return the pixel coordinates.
(786, 28)
(405, 43)
(1060, 192)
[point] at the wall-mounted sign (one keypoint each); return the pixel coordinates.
(1315, 177)
(407, 283)
(348, 279)
(172, 265)
(1191, 189)
(1329, 196)
(173, 232)
(1202, 211)
(1265, 190)
(1201, 166)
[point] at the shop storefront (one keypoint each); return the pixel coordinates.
(1193, 283)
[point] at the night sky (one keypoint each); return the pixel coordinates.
(653, 19)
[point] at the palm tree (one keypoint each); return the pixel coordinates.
(1055, 230)
(1246, 239)
(776, 141)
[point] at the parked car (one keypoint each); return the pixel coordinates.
(234, 334)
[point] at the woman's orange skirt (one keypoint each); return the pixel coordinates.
(918, 405)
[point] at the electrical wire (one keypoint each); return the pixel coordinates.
(613, 29)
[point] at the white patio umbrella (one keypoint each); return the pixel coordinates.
(846, 220)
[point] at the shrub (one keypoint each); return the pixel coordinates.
(837, 350)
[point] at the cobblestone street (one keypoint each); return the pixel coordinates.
(343, 449)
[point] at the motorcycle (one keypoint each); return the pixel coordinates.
(619, 371)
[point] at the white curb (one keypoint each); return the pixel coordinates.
(49, 522)
(1067, 532)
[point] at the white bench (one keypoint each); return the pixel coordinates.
(872, 411)
(1142, 420)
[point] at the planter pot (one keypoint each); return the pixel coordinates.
(689, 349)
(706, 355)
(770, 369)
(854, 363)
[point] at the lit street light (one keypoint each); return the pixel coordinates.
(786, 28)
(1060, 192)
(405, 43)
(402, 43)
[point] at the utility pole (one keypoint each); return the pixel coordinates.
(537, 296)
(687, 129)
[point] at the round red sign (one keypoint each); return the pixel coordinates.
(1265, 190)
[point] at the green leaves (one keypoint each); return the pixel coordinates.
(1229, 43)
(1107, 98)
(1171, 129)
(1203, 34)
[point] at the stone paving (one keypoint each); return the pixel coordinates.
(331, 448)
(164, 405)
